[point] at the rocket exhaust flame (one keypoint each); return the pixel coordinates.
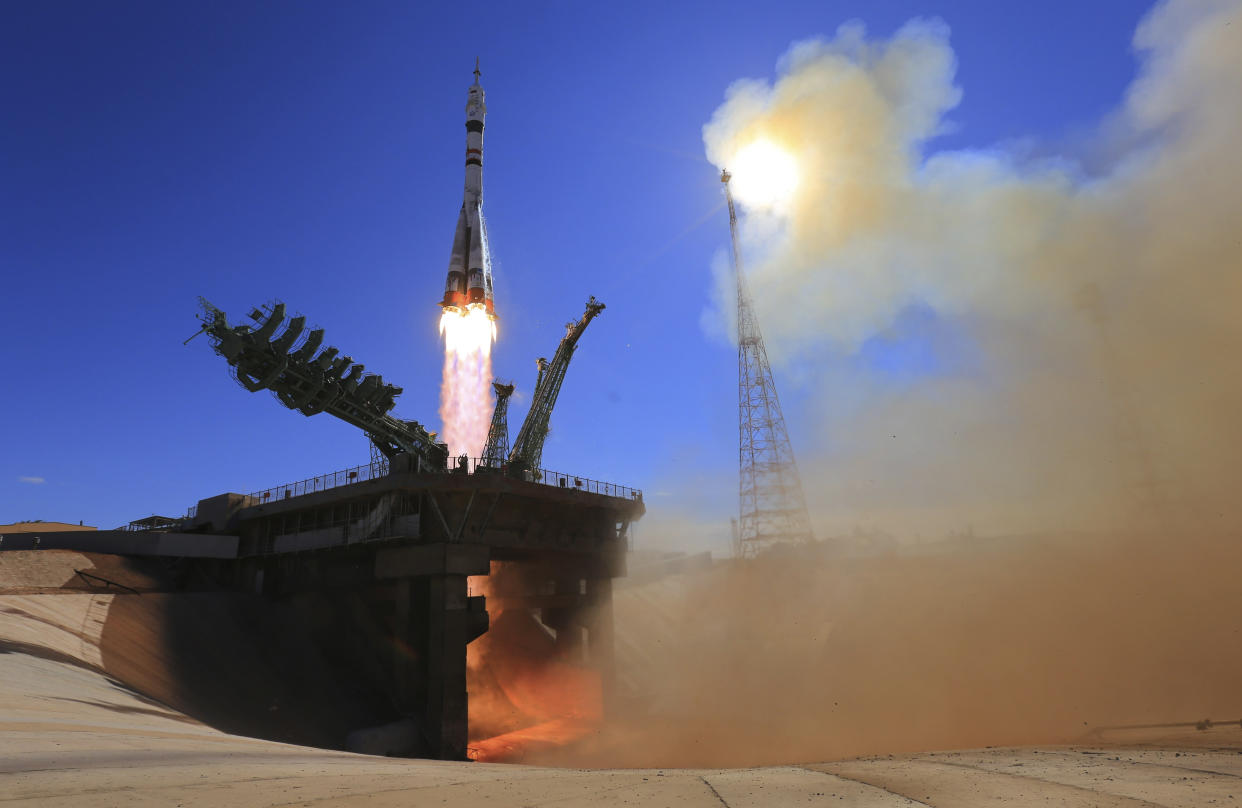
(527, 696)
(465, 391)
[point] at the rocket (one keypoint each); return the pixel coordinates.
(469, 280)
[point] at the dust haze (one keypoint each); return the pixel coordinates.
(995, 642)
(1070, 424)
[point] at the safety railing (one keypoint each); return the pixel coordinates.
(556, 479)
(323, 482)
(153, 523)
(455, 465)
(562, 480)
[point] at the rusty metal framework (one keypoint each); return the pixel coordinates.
(771, 505)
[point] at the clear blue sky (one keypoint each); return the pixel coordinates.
(312, 151)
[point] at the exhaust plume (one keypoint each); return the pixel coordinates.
(465, 390)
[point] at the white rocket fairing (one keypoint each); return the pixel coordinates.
(470, 265)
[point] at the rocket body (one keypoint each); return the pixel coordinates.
(469, 281)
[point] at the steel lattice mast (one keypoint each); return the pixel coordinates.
(771, 507)
(496, 451)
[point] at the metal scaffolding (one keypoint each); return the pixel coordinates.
(496, 452)
(527, 453)
(772, 508)
(312, 383)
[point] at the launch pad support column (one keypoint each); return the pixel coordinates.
(435, 619)
(446, 712)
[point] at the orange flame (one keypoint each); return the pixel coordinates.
(525, 698)
(465, 392)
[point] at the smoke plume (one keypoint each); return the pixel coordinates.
(992, 339)
(996, 344)
(1045, 640)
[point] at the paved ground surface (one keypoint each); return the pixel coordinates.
(70, 736)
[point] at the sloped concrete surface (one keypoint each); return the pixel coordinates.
(70, 736)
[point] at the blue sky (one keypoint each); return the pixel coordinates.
(311, 151)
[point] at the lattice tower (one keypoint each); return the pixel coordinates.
(772, 507)
(496, 451)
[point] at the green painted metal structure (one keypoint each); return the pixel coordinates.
(310, 381)
(527, 454)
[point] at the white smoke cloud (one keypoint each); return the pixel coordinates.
(32, 480)
(1043, 415)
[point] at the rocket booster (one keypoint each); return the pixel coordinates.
(469, 280)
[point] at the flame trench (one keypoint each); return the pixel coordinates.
(528, 696)
(465, 391)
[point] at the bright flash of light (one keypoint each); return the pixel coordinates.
(465, 391)
(764, 175)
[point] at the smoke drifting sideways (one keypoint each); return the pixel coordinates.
(989, 339)
(984, 642)
(1044, 353)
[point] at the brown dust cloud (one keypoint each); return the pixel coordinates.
(1056, 508)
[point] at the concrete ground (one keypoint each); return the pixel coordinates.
(70, 736)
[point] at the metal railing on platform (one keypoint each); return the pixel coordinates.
(456, 465)
(153, 523)
(557, 479)
(323, 482)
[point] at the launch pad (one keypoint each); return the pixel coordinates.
(406, 543)
(382, 555)
(399, 539)
(386, 554)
